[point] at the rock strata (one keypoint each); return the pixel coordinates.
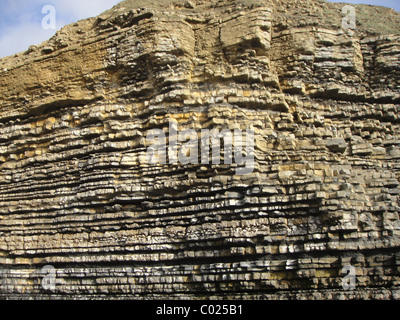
(77, 194)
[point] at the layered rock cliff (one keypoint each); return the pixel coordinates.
(77, 194)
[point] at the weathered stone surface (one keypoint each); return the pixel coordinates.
(76, 194)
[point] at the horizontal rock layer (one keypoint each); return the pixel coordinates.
(76, 192)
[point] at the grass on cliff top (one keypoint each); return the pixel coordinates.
(378, 19)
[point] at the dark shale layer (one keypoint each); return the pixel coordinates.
(77, 194)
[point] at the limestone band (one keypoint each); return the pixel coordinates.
(323, 103)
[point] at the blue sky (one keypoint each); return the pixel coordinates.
(21, 20)
(394, 4)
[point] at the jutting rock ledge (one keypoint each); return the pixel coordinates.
(324, 103)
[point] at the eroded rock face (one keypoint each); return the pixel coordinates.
(76, 194)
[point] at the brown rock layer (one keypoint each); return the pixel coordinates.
(76, 194)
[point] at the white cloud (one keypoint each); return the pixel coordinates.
(20, 38)
(80, 9)
(24, 28)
